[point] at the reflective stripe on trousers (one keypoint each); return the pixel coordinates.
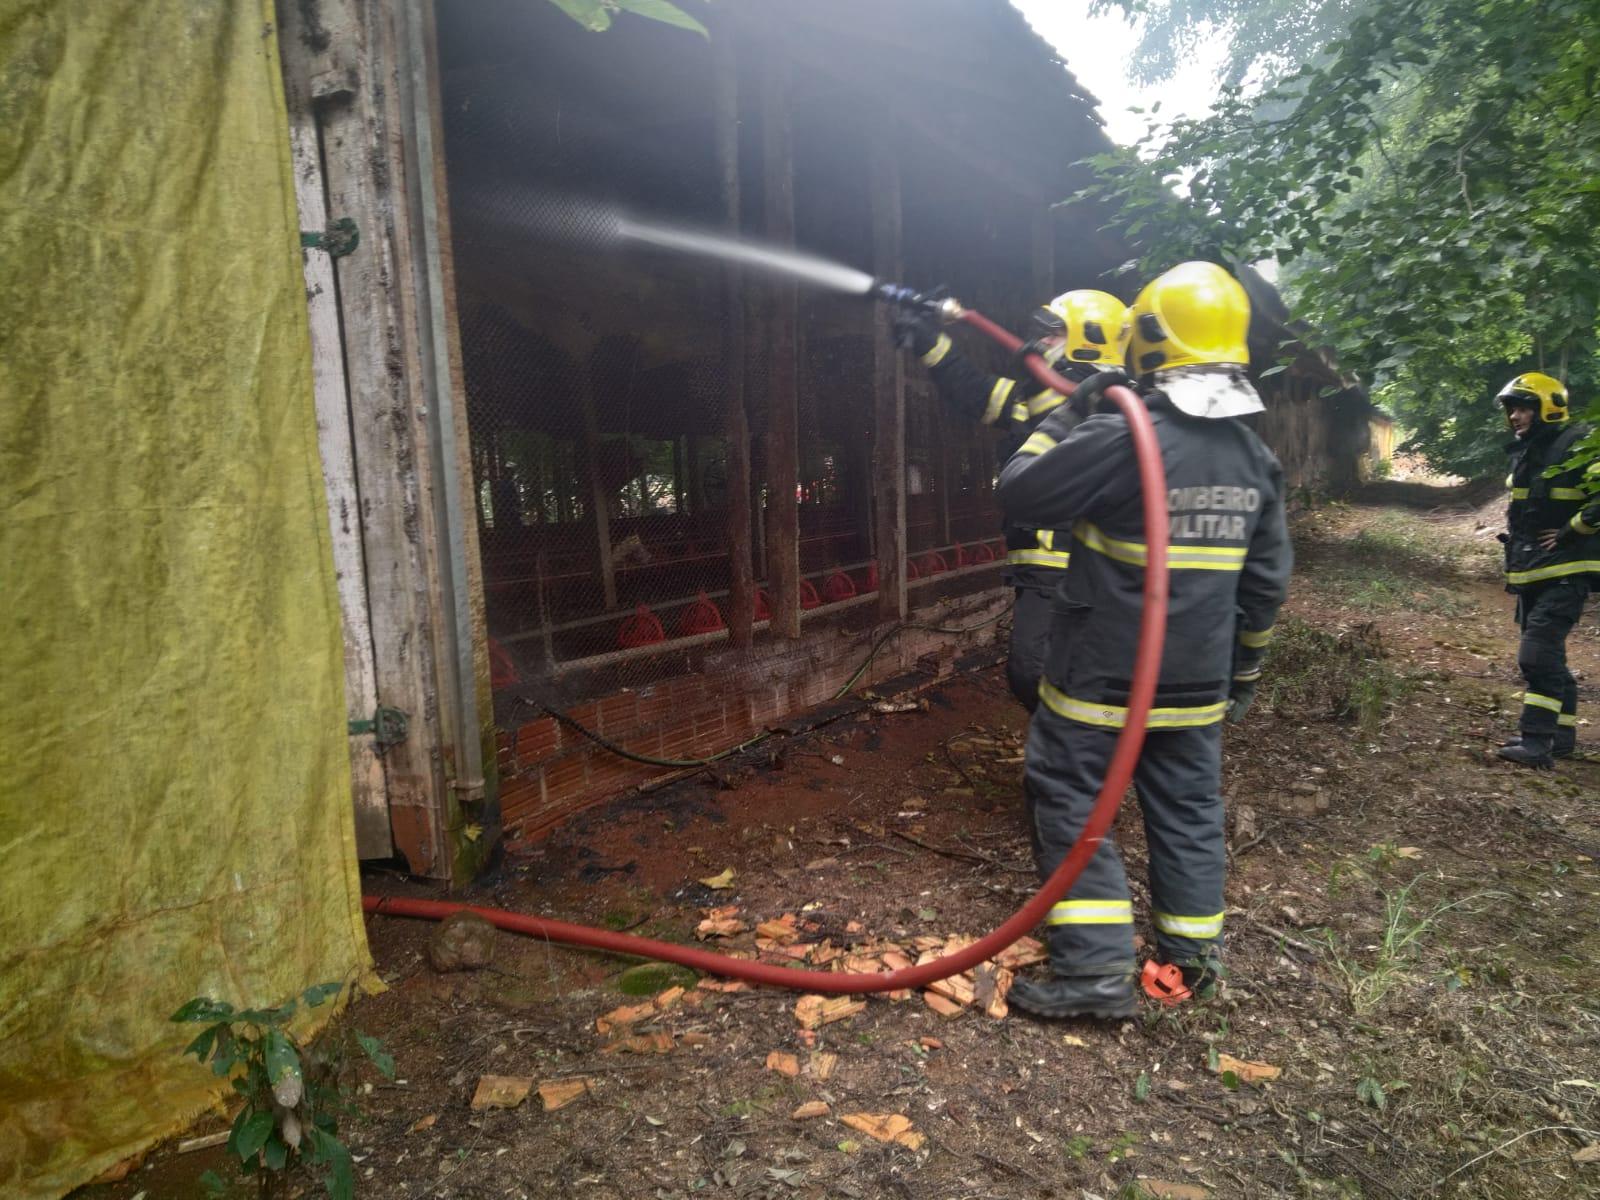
(1178, 784)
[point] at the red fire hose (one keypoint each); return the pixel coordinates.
(1146, 668)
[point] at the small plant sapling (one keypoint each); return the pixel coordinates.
(293, 1093)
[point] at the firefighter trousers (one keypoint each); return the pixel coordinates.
(1030, 638)
(1546, 614)
(1179, 785)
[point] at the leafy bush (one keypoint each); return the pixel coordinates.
(1311, 673)
(293, 1093)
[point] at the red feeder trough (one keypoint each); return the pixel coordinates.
(701, 617)
(641, 629)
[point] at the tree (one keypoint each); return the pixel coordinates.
(596, 15)
(1266, 39)
(1431, 186)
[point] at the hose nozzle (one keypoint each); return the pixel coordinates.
(936, 302)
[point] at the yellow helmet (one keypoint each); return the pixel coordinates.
(1194, 314)
(1093, 326)
(1536, 388)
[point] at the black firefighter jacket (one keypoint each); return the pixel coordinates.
(1015, 408)
(1229, 558)
(1545, 497)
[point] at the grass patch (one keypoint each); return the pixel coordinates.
(1313, 674)
(1401, 562)
(1369, 980)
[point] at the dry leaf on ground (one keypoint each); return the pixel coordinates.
(1247, 1071)
(422, 1123)
(668, 999)
(719, 927)
(783, 1064)
(501, 1091)
(1024, 952)
(619, 1018)
(720, 881)
(1589, 1154)
(781, 930)
(812, 1011)
(559, 1093)
(886, 1127)
(646, 1043)
(1165, 1189)
(811, 1108)
(957, 987)
(1409, 852)
(722, 985)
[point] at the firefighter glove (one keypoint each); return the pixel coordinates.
(1240, 699)
(916, 330)
(1090, 396)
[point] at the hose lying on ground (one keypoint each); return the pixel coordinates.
(1146, 669)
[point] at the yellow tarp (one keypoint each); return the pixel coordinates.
(175, 814)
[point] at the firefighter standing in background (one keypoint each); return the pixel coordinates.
(1551, 549)
(1079, 333)
(1229, 559)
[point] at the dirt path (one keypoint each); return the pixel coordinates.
(1412, 936)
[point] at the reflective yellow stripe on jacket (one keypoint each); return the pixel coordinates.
(1114, 716)
(1554, 571)
(997, 399)
(1037, 443)
(1044, 554)
(936, 353)
(1535, 700)
(1189, 558)
(1044, 402)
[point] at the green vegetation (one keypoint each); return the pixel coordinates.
(1368, 980)
(1314, 674)
(597, 15)
(649, 979)
(1427, 184)
(293, 1093)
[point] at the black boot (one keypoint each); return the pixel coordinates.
(1104, 997)
(1566, 743)
(1530, 750)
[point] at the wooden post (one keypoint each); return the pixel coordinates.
(888, 380)
(736, 423)
(395, 519)
(783, 469)
(332, 400)
(1042, 253)
(600, 514)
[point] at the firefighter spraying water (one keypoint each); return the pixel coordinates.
(1086, 465)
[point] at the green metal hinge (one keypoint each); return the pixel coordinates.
(337, 239)
(387, 726)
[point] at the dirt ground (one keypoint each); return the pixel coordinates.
(1412, 942)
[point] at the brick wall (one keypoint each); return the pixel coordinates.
(549, 772)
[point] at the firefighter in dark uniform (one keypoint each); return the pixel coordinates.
(1551, 551)
(1078, 333)
(1229, 559)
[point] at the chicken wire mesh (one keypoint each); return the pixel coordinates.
(598, 396)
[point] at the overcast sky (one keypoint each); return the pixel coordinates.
(1095, 49)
